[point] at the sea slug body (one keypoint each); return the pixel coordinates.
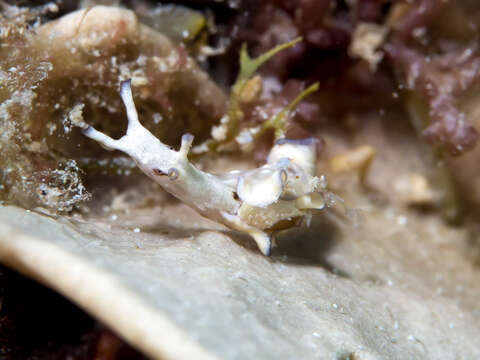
(258, 201)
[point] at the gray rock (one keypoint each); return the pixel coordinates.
(397, 287)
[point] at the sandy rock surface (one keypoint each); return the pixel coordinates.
(398, 287)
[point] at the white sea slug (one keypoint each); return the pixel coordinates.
(258, 202)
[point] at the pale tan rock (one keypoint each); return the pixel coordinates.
(93, 28)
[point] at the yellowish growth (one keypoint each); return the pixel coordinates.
(278, 122)
(179, 23)
(358, 159)
(251, 90)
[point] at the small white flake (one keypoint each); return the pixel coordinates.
(157, 118)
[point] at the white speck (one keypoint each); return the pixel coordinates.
(113, 217)
(335, 306)
(438, 292)
(402, 220)
(219, 132)
(157, 118)
(395, 325)
(52, 7)
(136, 230)
(245, 137)
(411, 338)
(451, 326)
(389, 214)
(419, 32)
(389, 282)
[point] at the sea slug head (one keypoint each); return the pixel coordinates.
(159, 161)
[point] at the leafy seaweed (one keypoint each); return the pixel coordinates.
(234, 116)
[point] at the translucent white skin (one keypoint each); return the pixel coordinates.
(251, 201)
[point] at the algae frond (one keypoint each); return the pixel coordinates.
(231, 122)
